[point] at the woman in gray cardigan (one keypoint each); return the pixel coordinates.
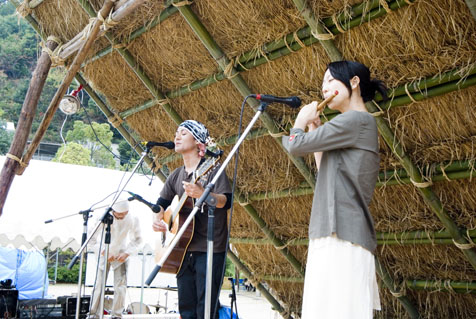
(340, 273)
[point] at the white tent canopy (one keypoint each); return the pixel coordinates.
(49, 190)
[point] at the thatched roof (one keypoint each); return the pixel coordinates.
(198, 60)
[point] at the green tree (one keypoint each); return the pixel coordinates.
(126, 153)
(88, 135)
(73, 153)
(6, 138)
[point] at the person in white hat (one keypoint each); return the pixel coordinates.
(125, 239)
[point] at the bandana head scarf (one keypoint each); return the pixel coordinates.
(199, 132)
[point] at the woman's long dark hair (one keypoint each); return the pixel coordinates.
(344, 71)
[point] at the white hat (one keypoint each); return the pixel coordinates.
(121, 206)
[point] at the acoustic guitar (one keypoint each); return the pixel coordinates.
(175, 219)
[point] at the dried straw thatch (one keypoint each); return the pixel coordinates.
(204, 56)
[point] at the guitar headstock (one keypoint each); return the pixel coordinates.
(206, 167)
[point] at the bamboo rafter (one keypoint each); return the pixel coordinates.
(276, 305)
(451, 171)
(236, 79)
(101, 104)
(311, 21)
(442, 285)
(419, 237)
(395, 290)
(425, 189)
(472, 7)
(277, 49)
(164, 15)
(136, 67)
(402, 95)
(429, 196)
(176, 117)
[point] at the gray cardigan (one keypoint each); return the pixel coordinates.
(347, 176)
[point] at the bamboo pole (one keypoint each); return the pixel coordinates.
(472, 7)
(73, 69)
(138, 70)
(422, 89)
(429, 196)
(175, 116)
(318, 31)
(34, 3)
(276, 49)
(432, 92)
(459, 170)
(274, 303)
(178, 120)
(396, 292)
(240, 85)
(275, 241)
(165, 14)
(122, 130)
(404, 238)
(25, 121)
(101, 105)
(426, 83)
(121, 10)
(446, 285)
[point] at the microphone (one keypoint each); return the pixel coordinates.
(292, 101)
(170, 145)
(153, 207)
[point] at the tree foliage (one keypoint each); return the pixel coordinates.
(73, 153)
(19, 51)
(5, 138)
(83, 147)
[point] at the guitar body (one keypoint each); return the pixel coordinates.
(174, 262)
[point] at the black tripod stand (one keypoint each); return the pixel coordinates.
(232, 299)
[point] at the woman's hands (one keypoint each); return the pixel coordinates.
(308, 117)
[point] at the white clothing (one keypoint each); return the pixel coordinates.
(125, 238)
(120, 289)
(120, 229)
(340, 281)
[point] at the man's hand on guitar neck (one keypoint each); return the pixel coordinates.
(196, 190)
(193, 190)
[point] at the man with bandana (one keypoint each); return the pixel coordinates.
(191, 139)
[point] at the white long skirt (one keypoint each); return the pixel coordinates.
(340, 281)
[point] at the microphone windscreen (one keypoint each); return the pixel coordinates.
(295, 102)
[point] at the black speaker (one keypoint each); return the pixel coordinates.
(68, 305)
(8, 303)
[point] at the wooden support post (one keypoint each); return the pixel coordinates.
(78, 60)
(25, 121)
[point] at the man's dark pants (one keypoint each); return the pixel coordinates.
(191, 281)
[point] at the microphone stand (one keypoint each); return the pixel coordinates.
(106, 219)
(201, 200)
(81, 260)
(85, 214)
